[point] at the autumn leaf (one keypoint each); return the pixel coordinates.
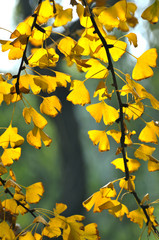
(9, 155)
(44, 11)
(132, 164)
(12, 206)
(23, 28)
(46, 83)
(132, 39)
(149, 133)
(144, 152)
(34, 192)
(151, 13)
(27, 81)
(118, 209)
(90, 232)
(35, 136)
(6, 232)
(37, 38)
(100, 137)
(62, 17)
(101, 200)
(144, 62)
(99, 110)
(134, 110)
(79, 93)
(153, 165)
(138, 216)
(85, 21)
(113, 15)
(11, 136)
(43, 58)
(51, 106)
(97, 70)
(31, 114)
(118, 49)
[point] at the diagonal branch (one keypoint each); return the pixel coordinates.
(31, 211)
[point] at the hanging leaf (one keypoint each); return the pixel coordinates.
(79, 93)
(35, 136)
(102, 109)
(31, 114)
(34, 192)
(11, 136)
(144, 62)
(132, 39)
(151, 13)
(100, 137)
(149, 133)
(51, 106)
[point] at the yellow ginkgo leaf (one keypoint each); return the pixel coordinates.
(35, 136)
(144, 152)
(111, 16)
(132, 164)
(137, 216)
(152, 12)
(6, 232)
(51, 106)
(79, 93)
(90, 232)
(27, 81)
(149, 133)
(46, 83)
(97, 70)
(44, 11)
(66, 45)
(37, 38)
(62, 17)
(85, 20)
(110, 114)
(9, 155)
(23, 28)
(100, 137)
(34, 192)
(12, 206)
(31, 114)
(5, 88)
(62, 79)
(53, 229)
(153, 165)
(134, 110)
(132, 39)
(3, 169)
(118, 49)
(118, 210)
(60, 207)
(144, 62)
(11, 136)
(101, 198)
(43, 58)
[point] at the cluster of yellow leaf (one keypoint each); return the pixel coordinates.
(67, 227)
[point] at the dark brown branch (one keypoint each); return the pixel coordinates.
(31, 211)
(111, 68)
(121, 118)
